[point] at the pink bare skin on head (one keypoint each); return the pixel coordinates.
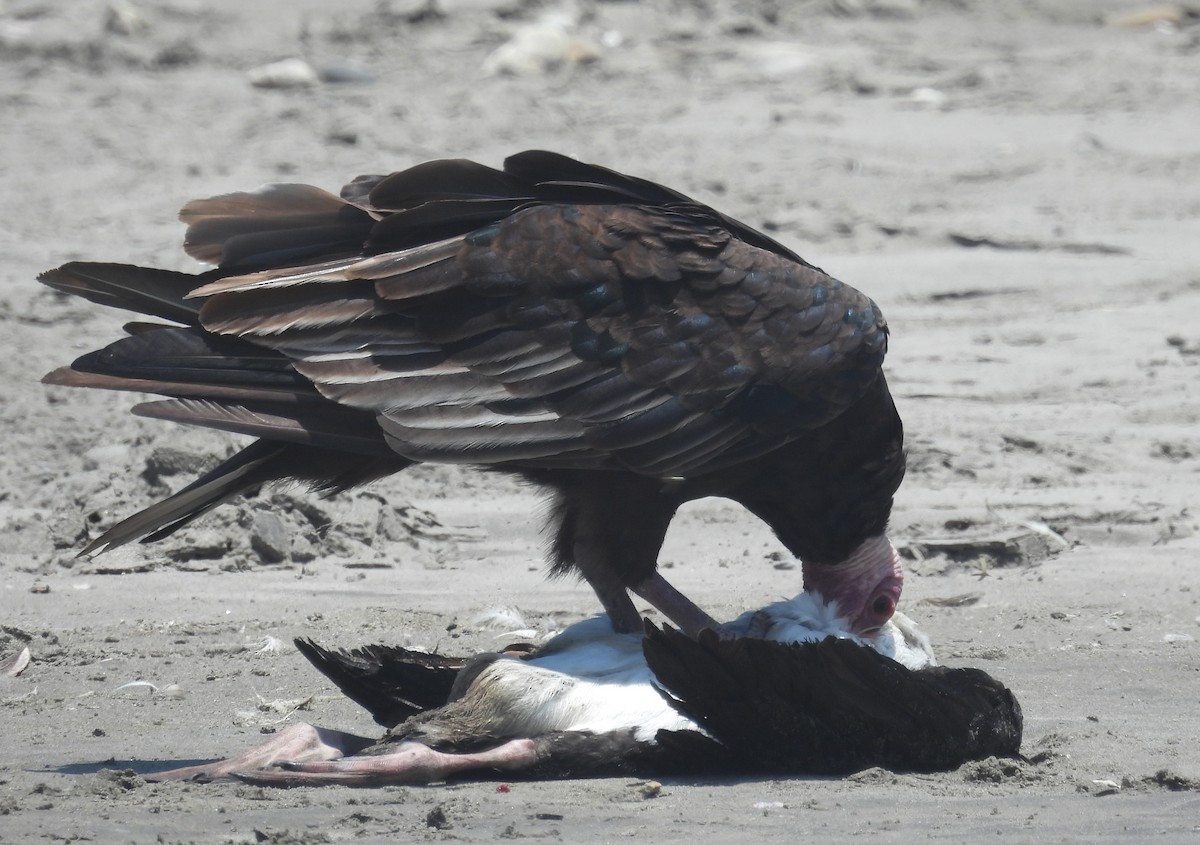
(866, 586)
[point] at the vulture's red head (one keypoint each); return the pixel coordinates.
(866, 586)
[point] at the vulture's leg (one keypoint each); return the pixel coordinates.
(675, 606)
(613, 595)
(299, 741)
(411, 762)
(611, 527)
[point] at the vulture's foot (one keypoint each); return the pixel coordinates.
(677, 607)
(410, 763)
(297, 742)
(759, 626)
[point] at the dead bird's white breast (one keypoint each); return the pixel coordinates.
(589, 678)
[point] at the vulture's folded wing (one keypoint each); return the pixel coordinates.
(554, 314)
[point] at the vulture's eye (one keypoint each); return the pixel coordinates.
(881, 605)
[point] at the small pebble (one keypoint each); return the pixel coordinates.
(269, 537)
(289, 73)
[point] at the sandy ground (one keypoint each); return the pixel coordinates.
(1015, 184)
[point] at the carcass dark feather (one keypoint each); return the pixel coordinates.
(389, 682)
(832, 707)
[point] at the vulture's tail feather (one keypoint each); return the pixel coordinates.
(157, 293)
(262, 462)
(215, 382)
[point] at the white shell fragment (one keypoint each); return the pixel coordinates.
(15, 664)
(540, 47)
(288, 73)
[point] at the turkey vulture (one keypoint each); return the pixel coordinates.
(811, 698)
(600, 335)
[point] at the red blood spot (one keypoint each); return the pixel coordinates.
(502, 787)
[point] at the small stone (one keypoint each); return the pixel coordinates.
(928, 98)
(178, 54)
(167, 461)
(202, 544)
(289, 73)
(436, 818)
(1151, 15)
(360, 519)
(124, 18)
(651, 789)
(392, 527)
(99, 457)
(540, 47)
(269, 537)
(347, 74)
(303, 551)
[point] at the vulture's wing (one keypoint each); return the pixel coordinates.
(553, 314)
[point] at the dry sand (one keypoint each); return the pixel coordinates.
(1017, 185)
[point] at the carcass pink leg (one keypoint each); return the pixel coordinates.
(296, 742)
(676, 606)
(410, 763)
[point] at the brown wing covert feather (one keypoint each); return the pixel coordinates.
(646, 338)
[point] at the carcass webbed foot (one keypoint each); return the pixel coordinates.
(297, 742)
